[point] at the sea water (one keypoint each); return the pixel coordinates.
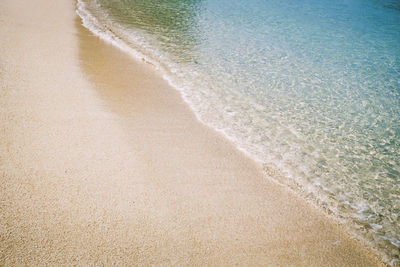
(309, 88)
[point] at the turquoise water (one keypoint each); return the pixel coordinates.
(311, 89)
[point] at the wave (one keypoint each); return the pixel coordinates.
(140, 45)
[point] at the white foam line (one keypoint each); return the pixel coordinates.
(103, 32)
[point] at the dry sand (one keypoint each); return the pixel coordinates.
(101, 162)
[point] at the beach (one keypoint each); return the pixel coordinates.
(103, 163)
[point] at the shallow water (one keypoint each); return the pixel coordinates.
(309, 88)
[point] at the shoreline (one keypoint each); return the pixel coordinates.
(320, 200)
(103, 162)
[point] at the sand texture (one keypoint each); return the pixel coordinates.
(102, 163)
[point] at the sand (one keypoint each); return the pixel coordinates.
(102, 163)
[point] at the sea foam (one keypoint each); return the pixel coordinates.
(309, 92)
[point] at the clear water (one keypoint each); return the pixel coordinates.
(310, 88)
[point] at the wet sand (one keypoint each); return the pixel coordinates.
(101, 162)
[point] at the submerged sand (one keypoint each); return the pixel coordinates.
(101, 162)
